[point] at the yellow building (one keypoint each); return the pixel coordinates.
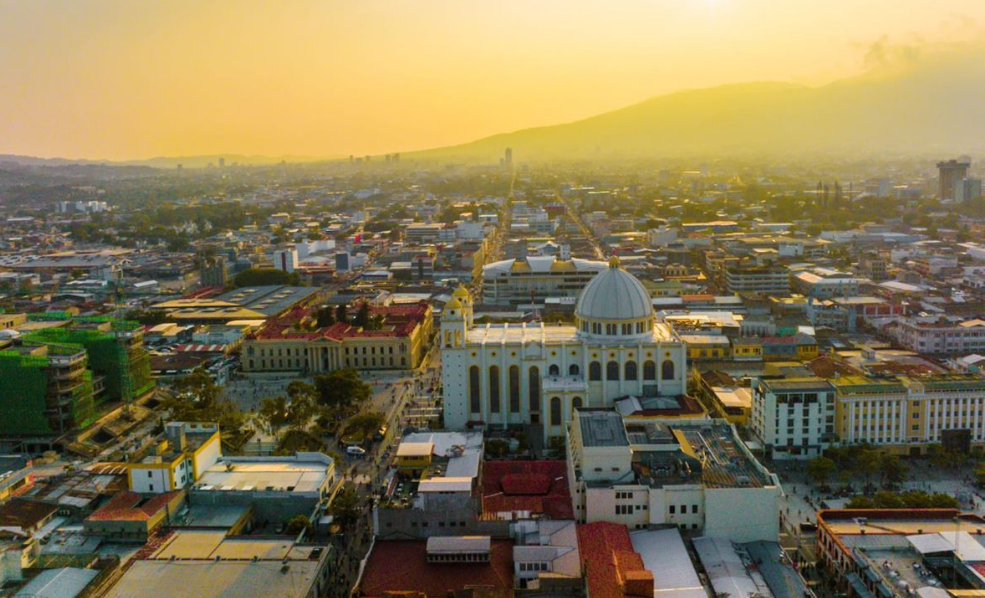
(177, 458)
(293, 343)
(907, 414)
(747, 349)
(414, 457)
(706, 346)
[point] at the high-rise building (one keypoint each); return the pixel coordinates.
(508, 157)
(222, 162)
(952, 172)
(213, 271)
(286, 259)
(968, 189)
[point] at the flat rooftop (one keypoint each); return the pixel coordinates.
(603, 428)
(214, 579)
(281, 475)
(212, 544)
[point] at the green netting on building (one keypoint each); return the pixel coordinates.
(23, 394)
(61, 316)
(126, 372)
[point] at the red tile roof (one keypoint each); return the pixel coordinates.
(126, 506)
(537, 486)
(401, 566)
(609, 560)
(398, 320)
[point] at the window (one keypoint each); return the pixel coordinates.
(595, 371)
(150, 474)
(474, 393)
(673, 509)
(630, 370)
(694, 508)
(576, 403)
(533, 390)
(612, 370)
(667, 370)
(555, 411)
(574, 370)
(494, 389)
(649, 370)
(514, 389)
(554, 370)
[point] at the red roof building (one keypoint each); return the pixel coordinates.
(540, 487)
(612, 567)
(402, 566)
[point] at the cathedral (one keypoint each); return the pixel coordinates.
(513, 375)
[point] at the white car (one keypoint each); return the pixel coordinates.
(356, 451)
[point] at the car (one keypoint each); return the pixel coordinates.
(355, 451)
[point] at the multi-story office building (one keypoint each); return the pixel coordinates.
(213, 272)
(907, 415)
(795, 417)
(952, 172)
(694, 474)
(765, 280)
(534, 279)
(938, 337)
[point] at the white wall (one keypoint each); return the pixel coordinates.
(742, 514)
(150, 480)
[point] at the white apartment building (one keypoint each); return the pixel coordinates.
(939, 336)
(794, 418)
(695, 474)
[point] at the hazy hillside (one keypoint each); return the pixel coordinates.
(934, 105)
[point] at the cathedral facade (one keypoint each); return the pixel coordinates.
(507, 375)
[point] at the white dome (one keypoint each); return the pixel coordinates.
(614, 294)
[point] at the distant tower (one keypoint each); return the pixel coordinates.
(508, 158)
(951, 173)
(222, 162)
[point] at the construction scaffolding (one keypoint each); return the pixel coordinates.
(117, 356)
(45, 394)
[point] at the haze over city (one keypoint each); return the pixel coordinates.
(122, 80)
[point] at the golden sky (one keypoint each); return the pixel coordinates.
(125, 79)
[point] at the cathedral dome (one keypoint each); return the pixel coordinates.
(614, 303)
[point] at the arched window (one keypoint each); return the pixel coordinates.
(667, 370)
(475, 401)
(533, 390)
(649, 370)
(573, 369)
(554, 370)
(612, 371)
(514, 389)
(595, 371)
(576, 403)
(630, 370)
(555, 411)
(494, 388)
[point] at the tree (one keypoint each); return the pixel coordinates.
(298, 524)
(324, 317)
(892, 470)
(820, 469)
(363, 426)
(340, 313)
(256, 277)
(497, 448)
(302, 406)
(342, 389)
(362, 316)
(198, 398)
(345, 507)
(980, 474)
(199, 388)
(273, 413)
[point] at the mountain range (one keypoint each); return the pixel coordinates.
(935, 104)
